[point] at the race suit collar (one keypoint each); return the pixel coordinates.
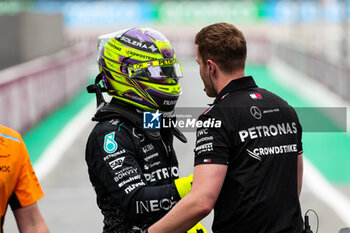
(129, 113)
(236, 85)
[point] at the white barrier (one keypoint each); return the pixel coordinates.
(31, 90)
(317, 65)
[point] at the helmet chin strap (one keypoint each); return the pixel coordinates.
(97, 89)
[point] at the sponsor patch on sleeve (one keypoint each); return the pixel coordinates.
(117, 163)
(207, 160)
(110, 145)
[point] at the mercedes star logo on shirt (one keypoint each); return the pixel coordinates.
(256, 113)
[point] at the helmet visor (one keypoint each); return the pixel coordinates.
(156, 70)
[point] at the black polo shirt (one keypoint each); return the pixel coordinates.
(259, 138)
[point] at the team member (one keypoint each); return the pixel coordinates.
(19, 186)
(249, 170)
(134, 170)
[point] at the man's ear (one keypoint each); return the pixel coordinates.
(209, 62)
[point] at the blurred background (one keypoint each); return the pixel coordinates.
(297, 49)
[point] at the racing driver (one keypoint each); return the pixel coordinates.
(134, 170)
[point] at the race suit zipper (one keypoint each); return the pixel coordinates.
(168, 159)
(165, 147)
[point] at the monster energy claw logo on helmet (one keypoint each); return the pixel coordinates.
(139, 66)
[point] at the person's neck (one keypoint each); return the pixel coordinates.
(225, 79)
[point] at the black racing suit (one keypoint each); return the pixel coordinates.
(131, 169)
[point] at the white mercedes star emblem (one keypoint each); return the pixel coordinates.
(256, 113)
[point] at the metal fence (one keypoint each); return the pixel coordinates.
(330, 72)
(30, 91)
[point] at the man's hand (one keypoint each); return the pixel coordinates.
(198, 228)
(184, 185)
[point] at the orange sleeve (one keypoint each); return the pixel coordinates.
(27, 190)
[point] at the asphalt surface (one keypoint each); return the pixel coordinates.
(69, 204)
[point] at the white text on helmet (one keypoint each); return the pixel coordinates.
(169, 102)
(138, 43)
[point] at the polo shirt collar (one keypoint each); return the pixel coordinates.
(235, 85)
